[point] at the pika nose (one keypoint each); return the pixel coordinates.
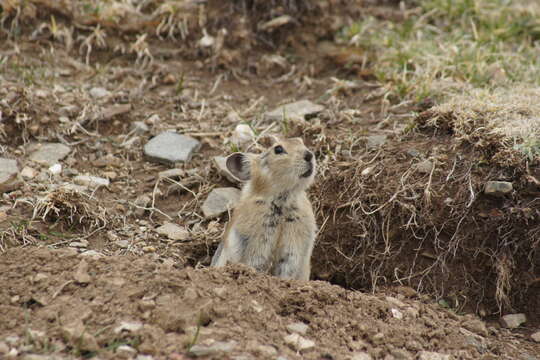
(308, 155)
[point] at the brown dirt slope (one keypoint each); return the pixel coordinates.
(55, 293)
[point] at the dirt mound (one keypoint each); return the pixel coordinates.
(417, 209)
(61, 302)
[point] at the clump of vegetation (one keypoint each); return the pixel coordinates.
(444, 46)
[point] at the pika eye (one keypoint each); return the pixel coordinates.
(279, 150)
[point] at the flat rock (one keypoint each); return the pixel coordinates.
(49, 153)
(92, 254)
(298, 342)
(221, 165)
(430, 355)
(173, 231)
(128, 327)
(212, 349)
(219, 201)
(536, 336)
(298, 327)
(91, 181)
(98, 92)
(513, 321)
(126, 351)
(375, 141)
(361, 356)
(498, 188)
(170, 147)
(9, 171)
(299, 110)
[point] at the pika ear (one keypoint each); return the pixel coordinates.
(239, 165)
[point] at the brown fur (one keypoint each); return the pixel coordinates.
(272, 227)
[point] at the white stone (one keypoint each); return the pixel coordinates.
(173, 231)
(126, 350)
(298, 327)
(55, 169)
(91, 181)
(396, 313)
(429, 355)
(536, 336)
(361, 356)
(139, 127)
(298, 342)
(213, 348)
(129, 326)
(242, 134)
(219, 201)
(98, 92)
(298, 110)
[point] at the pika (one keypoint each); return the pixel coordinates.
(272, 228)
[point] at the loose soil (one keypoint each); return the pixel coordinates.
(379, 286)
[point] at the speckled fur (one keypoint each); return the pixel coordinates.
(272, 227)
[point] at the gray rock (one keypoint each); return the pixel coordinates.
(91, 181)
(413, 152)
(512, 321)
(296, 111)
(98, 92)
(361, 356)
(214, 348)
(139, 127)
(375, 141)
(170, 147)
(498, 188)
(219, 201)
(9, 179)
(173, 231)
(298, 342)
(536, 336)
(429, 355)
(298, 327)
(49, 153)
(424, 167)
(220, 162)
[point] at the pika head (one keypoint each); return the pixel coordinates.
(287, 166)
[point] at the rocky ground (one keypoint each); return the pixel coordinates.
(114, 198)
